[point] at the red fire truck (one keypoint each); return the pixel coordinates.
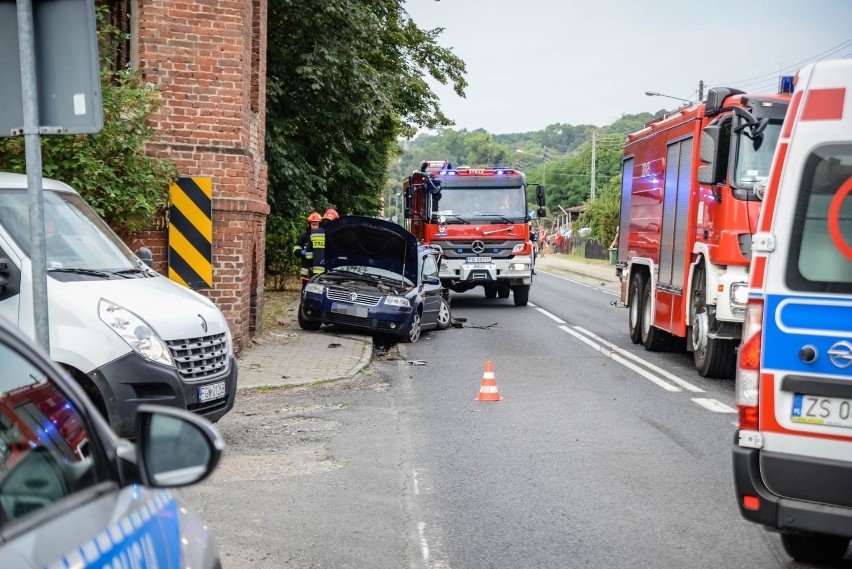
(479, 218)
(690, 197)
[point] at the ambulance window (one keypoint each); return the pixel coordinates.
(820, 258)
(44, 450)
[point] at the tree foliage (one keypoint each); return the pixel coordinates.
(110, 169)
(345, 79)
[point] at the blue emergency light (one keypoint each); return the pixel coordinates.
(786, 84)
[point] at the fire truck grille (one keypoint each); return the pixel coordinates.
(493, 249)
(359, 297)
(200, 358)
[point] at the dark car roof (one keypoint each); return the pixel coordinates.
(373, 242)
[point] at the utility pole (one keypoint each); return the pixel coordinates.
(701, 91)
(594, 143)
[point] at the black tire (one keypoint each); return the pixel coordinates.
(521, 294)
(309, 325)
(490, 291)
(815, 548)
(504, 290)
(714, 357)
(444, 316)
(634, 307)
(653, 338)
(414, 332)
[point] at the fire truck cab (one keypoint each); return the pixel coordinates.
(792, 453)
(478, 218)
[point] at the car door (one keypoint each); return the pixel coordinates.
(430, 285)
(60, 501)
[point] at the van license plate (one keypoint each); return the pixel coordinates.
(211, 391)
(817, 410)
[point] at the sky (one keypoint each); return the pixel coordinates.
(532, 63)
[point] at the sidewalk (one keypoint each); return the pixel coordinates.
(292, 356)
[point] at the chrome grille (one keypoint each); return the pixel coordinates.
(360, 298)
(200, 358)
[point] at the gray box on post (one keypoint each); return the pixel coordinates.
(67, 68)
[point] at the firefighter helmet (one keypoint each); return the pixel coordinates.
(314, 217)
(330, 214)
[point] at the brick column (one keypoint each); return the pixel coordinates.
(208, 59)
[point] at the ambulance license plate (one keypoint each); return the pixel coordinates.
(479, 259)
(819, 410)
(211, 391)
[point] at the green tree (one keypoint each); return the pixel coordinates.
(602, 213)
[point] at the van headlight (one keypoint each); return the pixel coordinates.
(135, 331)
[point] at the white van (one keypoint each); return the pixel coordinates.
(124, 332)
(792, 453)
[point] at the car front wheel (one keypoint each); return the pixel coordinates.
(414, 330)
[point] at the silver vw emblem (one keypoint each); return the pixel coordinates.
(353, 296)
(840, 354)
(203, 323)
(478, 247)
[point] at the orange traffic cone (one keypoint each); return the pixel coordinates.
(488, 389)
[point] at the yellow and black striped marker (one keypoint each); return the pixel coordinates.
(191, 232)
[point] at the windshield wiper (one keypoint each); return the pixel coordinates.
(146, 272)
(503, 217)
(461, 219)
(87, 272)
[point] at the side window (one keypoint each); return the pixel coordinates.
(820, 258)
(430, 267)
(44, 448)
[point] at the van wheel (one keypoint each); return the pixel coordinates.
(309, 325)
(653, 338)
(815, 548)
(634, 307)
(714, 357)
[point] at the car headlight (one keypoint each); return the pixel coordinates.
(398, 301)
(314, 288)
(135, 331)
(739, 293)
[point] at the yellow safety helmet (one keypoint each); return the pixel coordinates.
(314, 217)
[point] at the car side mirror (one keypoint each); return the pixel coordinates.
(175, 447)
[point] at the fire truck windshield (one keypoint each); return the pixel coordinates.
(754, 157)
(458, 204)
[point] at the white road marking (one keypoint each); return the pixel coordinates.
(551, 316)
(670, 376)
(630, 365)
(713, 405)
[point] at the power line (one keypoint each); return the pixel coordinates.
(793, 67)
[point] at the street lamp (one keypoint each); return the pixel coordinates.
(655, 94)
(544, 167)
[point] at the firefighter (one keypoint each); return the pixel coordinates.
(302, 248)
(318, 242)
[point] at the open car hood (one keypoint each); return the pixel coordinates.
(371, 242)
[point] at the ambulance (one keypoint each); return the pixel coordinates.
(792, 452)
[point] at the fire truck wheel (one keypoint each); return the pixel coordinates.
(414, 331)
(521, 294)
(653, 338)
(714, 357)
(634, 306)
(444, 317)
(490, 291)
(504, 290)
(306, 324)
(816, 548)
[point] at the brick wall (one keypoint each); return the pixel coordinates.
(208, 59)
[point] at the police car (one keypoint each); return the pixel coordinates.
(72, 494)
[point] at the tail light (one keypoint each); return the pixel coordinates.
(747, 390)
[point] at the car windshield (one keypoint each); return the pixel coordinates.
(75, 237)
(370, 273)
(508, 203)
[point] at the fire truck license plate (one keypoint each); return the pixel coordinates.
(211, 391)
(817, 410)
(479, 259)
